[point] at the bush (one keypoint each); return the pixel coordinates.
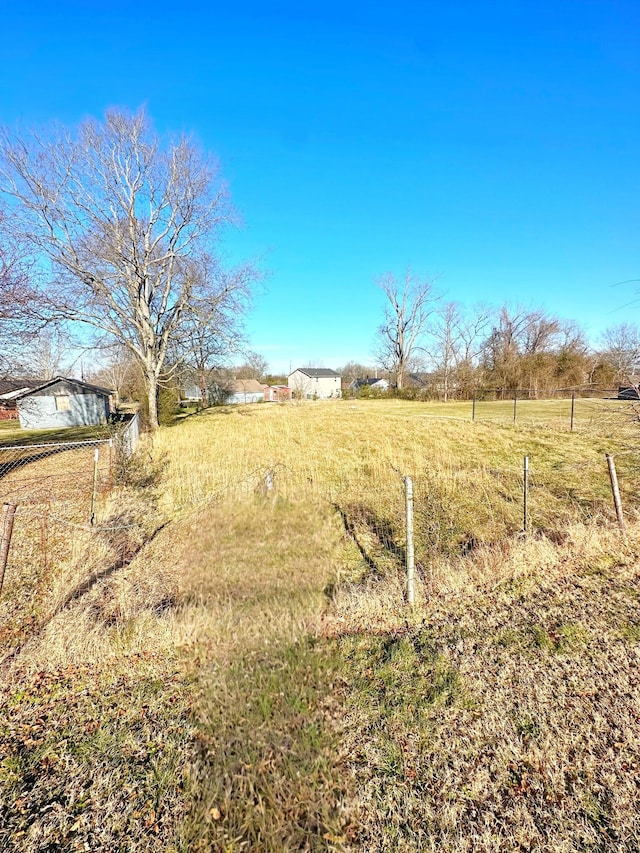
(168, 405)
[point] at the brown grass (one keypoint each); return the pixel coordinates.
(215, 666)
(502, 715)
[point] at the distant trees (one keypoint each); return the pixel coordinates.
(120, 225)
(47, 355)
(530, 349)
(210, 332)
(255, 366)
(622, 351)
(455, 341)
(458, 349)
(19, 320)
(353, 370)
(410, 302)
(120, 372)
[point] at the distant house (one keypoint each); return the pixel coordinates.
(10, 390)
(190, 392)
(370, 382)
(245, 391)
(277, 393)
(315, 383)
(63, 402)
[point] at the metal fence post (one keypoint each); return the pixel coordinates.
(515, 404)
(473, 407)
(411, 566)
(573, 405)
(94, 494)
(8, 514)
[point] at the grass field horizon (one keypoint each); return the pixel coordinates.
(242, 672)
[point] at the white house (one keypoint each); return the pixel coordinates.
(315, 383)
(245, 391)
(370, 382)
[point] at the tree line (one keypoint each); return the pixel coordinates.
(449, 349)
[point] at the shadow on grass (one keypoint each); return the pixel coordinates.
(358, 515)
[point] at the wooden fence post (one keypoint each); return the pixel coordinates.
(616, 493)
(411, 565)
(525, 493)
(8, 514)
(268, 482)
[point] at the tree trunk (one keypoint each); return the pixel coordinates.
(152, 392)
(204, 390)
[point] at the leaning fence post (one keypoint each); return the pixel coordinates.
(616, 493)
(94, 494)
(8, 514)
(525, 493)
(411, 566)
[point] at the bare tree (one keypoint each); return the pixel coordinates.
(410, 304)
(254, 367)
(211, 330)
(622, 350)
(48, 355)
(119, 372)
(444, 347)
(517, 350)
(19, 320)
(120, 217)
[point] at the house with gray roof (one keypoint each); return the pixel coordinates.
(63, 402)
(315, 383)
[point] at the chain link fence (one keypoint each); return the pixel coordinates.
(51, 493)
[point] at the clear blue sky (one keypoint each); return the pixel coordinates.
(495, 145)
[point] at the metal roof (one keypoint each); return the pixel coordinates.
(77, 382)
(316, 372)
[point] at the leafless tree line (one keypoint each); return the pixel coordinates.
(463, 348)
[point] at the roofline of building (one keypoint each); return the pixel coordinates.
(105, 391)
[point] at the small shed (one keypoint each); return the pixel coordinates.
(63, 402)
(277, 393)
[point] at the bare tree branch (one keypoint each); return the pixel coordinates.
(121, 221)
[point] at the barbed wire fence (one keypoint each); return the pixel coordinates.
(64, 540)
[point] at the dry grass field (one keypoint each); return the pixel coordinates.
(225, 661)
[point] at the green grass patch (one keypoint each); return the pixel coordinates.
(93, 758)
(11, 434)
(266, 779)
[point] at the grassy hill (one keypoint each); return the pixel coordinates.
(225, 660)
